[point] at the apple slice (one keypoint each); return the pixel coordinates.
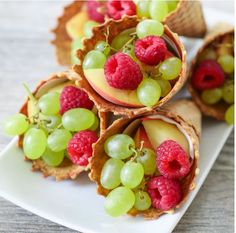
(141, 135)
(158, 131)
(75, 26)
(97, 80)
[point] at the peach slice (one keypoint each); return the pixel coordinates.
(75, 26)
(97, 80)
(158, 131)
(140, 136)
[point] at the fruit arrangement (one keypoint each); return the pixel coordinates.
(110, 115)
(57, 126)
(140, 65)
(147, 165)
(212, 76)
(78, 19)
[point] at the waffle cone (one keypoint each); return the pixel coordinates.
(177, 110)
(114, 28)
(62, 40)
(66, 170)
(187, 19)
(217, 110)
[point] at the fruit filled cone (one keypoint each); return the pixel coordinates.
(168, 177)
(183, 17)
(213, 88)
(61, 163)
(108, 91)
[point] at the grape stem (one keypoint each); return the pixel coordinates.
(30, 95)
(129, 41)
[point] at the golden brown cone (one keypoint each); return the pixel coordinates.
(113, 28)
(66, 170)
(62, 40)
(177, 111)
(186, 20)
(217, 110)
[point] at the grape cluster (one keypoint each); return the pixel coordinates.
(128, 167)
(47, 133)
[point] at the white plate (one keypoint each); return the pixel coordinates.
(76, 204)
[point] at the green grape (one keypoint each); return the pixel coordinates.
(119, 146)
(51, 121)
(34, 143)
(211, 96)
(170, 68)
(119, 201)
(110, 176)
(228, 92)
(78, 119)
(229, 115)
(95, 124)
(94, 60)
(103, 47)
(75, 45)
(142, 200)
(16, 124)
(121, 39)
(158, 10)
(88, 26)
(149, 92)
(172, 5)
(58, 140)
(207, 54)
(227, 63)
(148, 160)
(52, 158)
(149, 27)
(131, 174)
(165, 86)
(143, 9)
(49, 104)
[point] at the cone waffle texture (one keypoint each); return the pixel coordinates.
(62, 40)
(66, 170)
(187, 19)
(113, 28)
(177, 111)
(217, 110)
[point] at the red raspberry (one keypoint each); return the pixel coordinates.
(80, 147)
(172, 160)
(150, 50)
(73, 97)
(164, 193)
(122, 72)
(92, 9)
(208, 75)
(117, 8)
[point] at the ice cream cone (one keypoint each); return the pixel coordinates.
(113, 28)
(176, 111)
(67, 170)
(218, 33)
